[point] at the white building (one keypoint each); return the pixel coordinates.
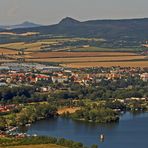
(144, 77)
(59, 79)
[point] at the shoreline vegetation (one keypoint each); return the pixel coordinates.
(9, 142)
(38, 146)
(27, 115)
(102, 111)
(32, 113)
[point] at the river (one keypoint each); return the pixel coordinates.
(130, 132)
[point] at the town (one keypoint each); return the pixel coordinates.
(49, 82)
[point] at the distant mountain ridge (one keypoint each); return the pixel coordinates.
(25, 24)
(124, 29)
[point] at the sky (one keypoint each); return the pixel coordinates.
(52, 11)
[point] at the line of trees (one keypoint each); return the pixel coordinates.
(22, 94)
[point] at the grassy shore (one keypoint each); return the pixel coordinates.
(38, 142)
(37, 146)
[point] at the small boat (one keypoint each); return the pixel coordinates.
(28, 125)
(102, 137)
(35, 135)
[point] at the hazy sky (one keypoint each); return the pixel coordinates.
(52, 11)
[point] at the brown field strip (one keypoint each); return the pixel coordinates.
(6, 61)
(141, 64)
(88, 59)
(78, 54)
(8, 51)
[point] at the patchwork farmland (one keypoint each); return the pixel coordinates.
(73, 56)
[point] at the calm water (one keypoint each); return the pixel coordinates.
(130, 132)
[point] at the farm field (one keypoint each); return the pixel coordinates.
(73, 39)
(15, 34)
(41, 45)
(21, 45)
(8, 51)
(78, 54)
(6, 61)
(88, 59)
(12, 45)
(72, 56)
(141, 64)
(99, 49)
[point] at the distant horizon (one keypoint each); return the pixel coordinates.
(29, 21)
(48, 12)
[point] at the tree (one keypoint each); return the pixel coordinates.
(3, 123)
(94, 146)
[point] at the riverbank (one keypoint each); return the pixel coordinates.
(37, 146)
(38, 142)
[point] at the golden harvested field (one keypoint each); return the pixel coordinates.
(78, 54)
(88, 59)
(91, 59)
(37, 146)
(13, 45)
(6, 61)
(28, 33)
(8, 51)
(7, 33)
(17, 46)
(23, 34)
(99, 57)
(141, 64)
(28, 46)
